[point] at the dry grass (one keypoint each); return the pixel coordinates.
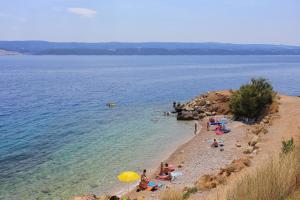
(172, 194)
(295, 195)
(275, 180)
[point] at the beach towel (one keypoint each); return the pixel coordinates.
(219, 132)
(176, 174)
(151, 186)
(214, 123)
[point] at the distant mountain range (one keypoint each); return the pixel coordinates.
(145, 48)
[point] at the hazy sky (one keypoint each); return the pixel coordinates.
(235, 21)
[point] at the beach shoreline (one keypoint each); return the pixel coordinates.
(196, 158)
(152, 170)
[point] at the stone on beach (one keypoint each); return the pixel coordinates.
(248, 150)
(87, 197)
(253, 141)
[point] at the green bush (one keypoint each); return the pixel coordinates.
(288, 146)
(251, 99)
(189, 191)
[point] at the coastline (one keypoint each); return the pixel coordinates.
(152, 170)
(197, 159)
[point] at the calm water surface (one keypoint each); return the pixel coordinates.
(58, 139)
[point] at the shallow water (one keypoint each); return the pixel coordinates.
(58, 139)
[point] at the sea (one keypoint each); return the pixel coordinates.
(59, 139)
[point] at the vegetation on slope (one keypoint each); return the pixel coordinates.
(275, 180)
(252, 99)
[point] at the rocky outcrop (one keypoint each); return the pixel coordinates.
(235, 166)
(209, 181)
(208, 104)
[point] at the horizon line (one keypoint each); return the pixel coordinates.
(179, 42)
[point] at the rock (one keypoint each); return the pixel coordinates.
(86, 197)
(213, 108)
(106, 197)
(208, 104)
(264, 131)
(238, 144)
(207, 182)
(185, 116)
(235, 166)
(208, 113)
(199, 110)
(180, 166)
(201, 102)
(227, 170)
(188, 108)
(253, 141)
(266, 120)
(201, 115)
(248, 150)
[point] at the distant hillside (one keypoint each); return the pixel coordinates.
(147, 48)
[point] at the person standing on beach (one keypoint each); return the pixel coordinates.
(207, 126)
(196, 128)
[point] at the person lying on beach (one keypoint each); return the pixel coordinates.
(215, 143)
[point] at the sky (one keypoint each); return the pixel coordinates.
(230, 21)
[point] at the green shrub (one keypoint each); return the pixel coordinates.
(288, 146)
(251, 99)
(189, 191)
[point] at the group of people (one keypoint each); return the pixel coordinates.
(164, 174)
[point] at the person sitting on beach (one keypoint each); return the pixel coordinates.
(144, 181)
(161, 171)
(168, 168)
(165, 171)
(212, 120)
(215, 144)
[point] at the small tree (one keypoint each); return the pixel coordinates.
(251, 99)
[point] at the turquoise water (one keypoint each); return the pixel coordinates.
(58, 139)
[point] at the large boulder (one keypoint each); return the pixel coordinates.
(185, 115)
(211, 103)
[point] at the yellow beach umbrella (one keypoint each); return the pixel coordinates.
(128, 176)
